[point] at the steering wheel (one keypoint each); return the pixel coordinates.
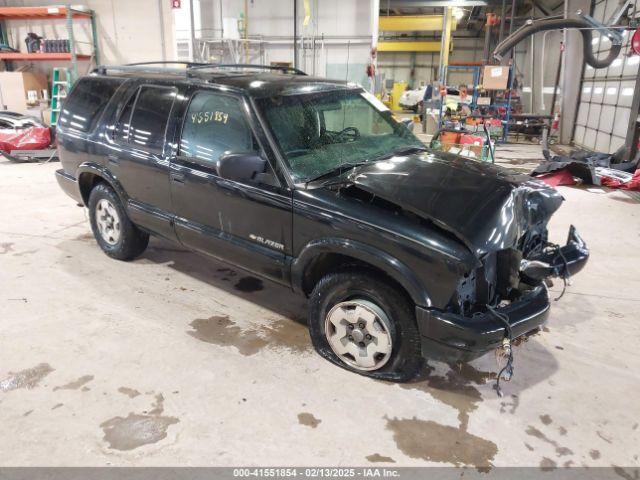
(349, 134)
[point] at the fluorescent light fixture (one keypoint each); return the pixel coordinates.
(634, 60)
(617, 62)
(586, 90)
(612, 91)
(458, 13)
(526, 89)
(627, 92)
(598, 90)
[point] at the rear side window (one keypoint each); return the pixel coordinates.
(150, 117)
(215, 124)
(88, 98)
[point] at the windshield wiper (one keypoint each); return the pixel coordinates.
(339, 170)
(402, 151)
(410, 149)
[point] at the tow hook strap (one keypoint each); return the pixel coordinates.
(507, 370)
(566, 278)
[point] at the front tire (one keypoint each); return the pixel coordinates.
(112, 229)
(362, 323)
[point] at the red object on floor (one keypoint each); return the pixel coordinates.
(635, 42)
(559, 177)
(633, 184)
(32, 138)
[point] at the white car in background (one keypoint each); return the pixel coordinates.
(410, 99)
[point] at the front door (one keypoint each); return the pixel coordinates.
(247, 224)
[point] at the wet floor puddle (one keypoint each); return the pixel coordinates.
(560, 450)
(249, 284)
(278, 334)
(28, 378)
(129, 392)
(308, 420)
(377, 458)
(435, 442)
(431, 441)
(455, 388)
(136, 430)
(5, 247)
(76, 384)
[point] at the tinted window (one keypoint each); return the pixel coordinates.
(122, 127)
(215, 124)
(86, 102)
(150, 117)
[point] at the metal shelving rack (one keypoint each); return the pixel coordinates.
(477, 69)
(67, 13)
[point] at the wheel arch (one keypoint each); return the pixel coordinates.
(90, 174)
(323, 256)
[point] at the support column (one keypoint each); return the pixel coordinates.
(375, 33)
(447, 22)
(573, 65)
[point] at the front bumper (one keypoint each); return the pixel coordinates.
(453, 337)
(69, 185)
(562, 262)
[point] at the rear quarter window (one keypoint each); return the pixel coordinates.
(86, 101)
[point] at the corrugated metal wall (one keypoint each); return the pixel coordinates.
(607, 93)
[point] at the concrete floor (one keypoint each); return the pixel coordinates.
(174, 359)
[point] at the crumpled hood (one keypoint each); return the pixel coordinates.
(485, 206)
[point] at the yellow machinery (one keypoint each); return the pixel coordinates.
(396, 93)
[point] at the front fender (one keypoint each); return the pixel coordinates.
(397, 270)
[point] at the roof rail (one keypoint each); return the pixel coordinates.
(191, 69)
(147, 67)
(275, 68)
(169, 62)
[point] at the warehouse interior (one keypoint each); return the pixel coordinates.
(178, 359)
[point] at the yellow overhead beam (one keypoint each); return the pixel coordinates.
(410, 23)
(408, 46)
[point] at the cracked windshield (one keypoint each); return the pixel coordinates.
(320, 132)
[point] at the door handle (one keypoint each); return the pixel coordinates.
(113, 159)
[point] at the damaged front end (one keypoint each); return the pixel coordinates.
(506, 298)
(502, 219)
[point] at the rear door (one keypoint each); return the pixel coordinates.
(139, 155)
(245, 223)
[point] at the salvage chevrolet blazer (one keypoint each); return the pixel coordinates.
(404, 253)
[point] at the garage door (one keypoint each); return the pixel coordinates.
(607, 93)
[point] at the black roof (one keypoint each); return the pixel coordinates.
(256, 84)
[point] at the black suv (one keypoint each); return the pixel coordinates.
(403, 252)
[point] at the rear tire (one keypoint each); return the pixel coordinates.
(352, 315)
(112, 229)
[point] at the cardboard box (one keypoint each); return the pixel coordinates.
(495, 77)
(14, 88)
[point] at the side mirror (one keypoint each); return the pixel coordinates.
(241, 167)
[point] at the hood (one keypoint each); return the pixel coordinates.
(485, 206)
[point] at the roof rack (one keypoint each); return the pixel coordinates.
(146, 67)
(191, 69)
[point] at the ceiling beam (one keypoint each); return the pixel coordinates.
(384, 46)
(440, 3)
(410, 23)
